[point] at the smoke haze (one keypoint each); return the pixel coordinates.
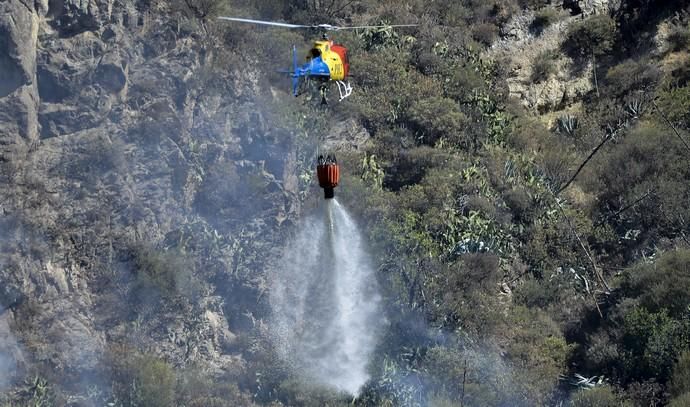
(9, 351)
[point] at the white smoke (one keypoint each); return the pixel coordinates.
(9, 352)
(325, 301)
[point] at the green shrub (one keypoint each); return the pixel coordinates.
(678, 37)
(162, 274)
(37, 392)
(675, 103)
(603, 352)
(436, 117)
(555, 162)
(552, 250)
(543, 18)
(652, 342)
(537, 348)
(662, 285)
(597, 397)
(680, 74)
(388, 88)
(299, 392)
(200, 9)
(680, 378)
(630, 76)
(487, 379)
(544, 66)
(95, 157)
(156, 382)
(485, 33)
(680, 401)
(533, 4)
(141, 380)
(410, 166)
(462, 288)
(648, 158)
(646, 393)
(461, 81)
(231, 194)
(595, 35)
(520, 203)
(380, 37)
(537, 293)
(198, 389)
(529, 135)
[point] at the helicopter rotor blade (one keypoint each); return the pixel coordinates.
(361, 27)
(262, 22)
(326, 27)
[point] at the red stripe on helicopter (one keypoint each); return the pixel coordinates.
(342, 53)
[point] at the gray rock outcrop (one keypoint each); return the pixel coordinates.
(520, 48)
(111, 128)
(19, 26)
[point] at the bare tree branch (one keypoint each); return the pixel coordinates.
(595, 268)
(663, 116)
(628, 206)
(589, 157)
(594, 69)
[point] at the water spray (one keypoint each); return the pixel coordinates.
(326, 306)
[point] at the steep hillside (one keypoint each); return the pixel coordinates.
(144, 187)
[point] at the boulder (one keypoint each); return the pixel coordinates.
(58, 120)
(346, 135)
(71, 17)
(18, 35)
(10, 296)
(74, 342)
(112, 73)
(18, 116)
(18, 99)
(590, 7)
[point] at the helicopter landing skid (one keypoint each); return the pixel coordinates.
(344, 88)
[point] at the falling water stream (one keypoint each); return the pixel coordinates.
(325, 301)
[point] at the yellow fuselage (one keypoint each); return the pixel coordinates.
(334, 56)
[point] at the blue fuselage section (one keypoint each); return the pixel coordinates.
(315, 67)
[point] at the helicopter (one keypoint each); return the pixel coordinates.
(327, 61)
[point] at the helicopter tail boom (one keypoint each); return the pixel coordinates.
(295, 76)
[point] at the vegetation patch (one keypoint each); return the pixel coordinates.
(543, 18)
(544, 66)
(162, 274)
(678, 36)
(594, 36)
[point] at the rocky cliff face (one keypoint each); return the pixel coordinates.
(520, 48)
(523, 44)
(121, 154)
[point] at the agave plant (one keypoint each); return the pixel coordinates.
(372, 171)
(635, 107)
(587, 382)
(567, 124)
